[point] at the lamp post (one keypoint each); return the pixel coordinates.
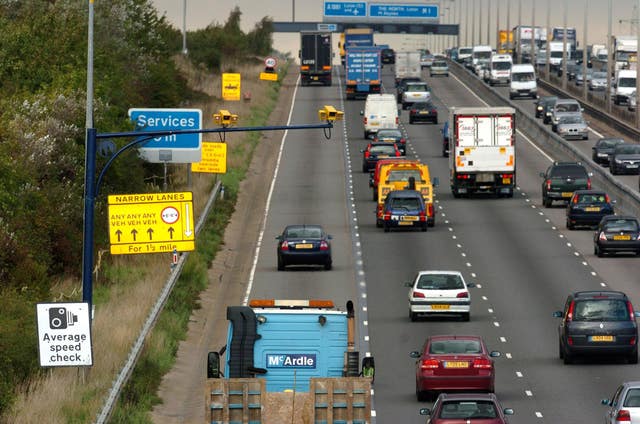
(607, 95)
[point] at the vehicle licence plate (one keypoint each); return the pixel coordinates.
(440, 307)
(416, 95)
(456, 364)
(601, 338)
(567, 194)
(592, 209)
(383, 156)
(304, 246)
(408, 218)
(424, 112)
(621, 237)
(315, 78)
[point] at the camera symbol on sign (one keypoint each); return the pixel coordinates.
(60, 318)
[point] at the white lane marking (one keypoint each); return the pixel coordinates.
(508, 355)
(593, 273)
(518, 374)
(603, 284)
(468, 265)
(503, 339)
(595, 132)
(517, 131)
(265, 215)
(528, 393)
(538, 414)
(496, 324)
(484, 298)
(473, 274)
(490, 310)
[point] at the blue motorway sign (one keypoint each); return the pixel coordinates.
(392, 10)
(345, 8)
(182, 148)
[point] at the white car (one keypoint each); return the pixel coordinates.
(439, 292)
(414, 93)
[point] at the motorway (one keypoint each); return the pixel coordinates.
(521, 256)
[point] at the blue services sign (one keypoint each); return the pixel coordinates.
(345, 9)
(412, 11)
(291, 360)
(173, 148)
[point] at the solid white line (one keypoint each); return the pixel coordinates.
(268, 205)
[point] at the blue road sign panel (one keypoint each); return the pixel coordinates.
(173, 148)
(415, 10)
(345, 9)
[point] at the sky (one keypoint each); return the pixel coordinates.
(200, 13)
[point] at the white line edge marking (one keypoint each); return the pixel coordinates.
(268, 205)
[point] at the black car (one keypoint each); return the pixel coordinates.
(625, 159)
(547, 110)
(561, 179)
(423, 112)
(376, 151)
(540, 104)
(601, 323)
(388, 56)
(603, 148)
(392, 135)
(304, 245)
(617, 233)
(404, 209)
(445, 139)
(587, 208)
(401, 85)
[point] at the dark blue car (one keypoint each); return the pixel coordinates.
(304, 245)
(587, 208)
(404, 209)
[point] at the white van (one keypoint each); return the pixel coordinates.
(523, 81)
(500, 69)
(480, 57)
(380, 111)
(623, 86)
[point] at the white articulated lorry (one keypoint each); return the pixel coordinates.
(482, 155)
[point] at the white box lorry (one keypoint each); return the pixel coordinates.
(407, 65)
(482, 154)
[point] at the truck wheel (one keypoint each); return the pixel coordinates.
(424, 227)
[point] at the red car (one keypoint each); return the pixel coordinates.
(453, 363)
(377, 151)
(467, 408)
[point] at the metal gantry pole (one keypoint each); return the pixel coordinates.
(489, 23)
(520, 26)
(564, 47)
(610, 68)
(533, 34)
(498, 25)
(473, 23)
(585, 57)
(637, 111)
(509, 39)
(546, 64)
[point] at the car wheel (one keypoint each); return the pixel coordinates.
(378, 223)
(599, 252)
(466, 316)
(281, 264)
(633, 358)
(374, 194)
(547, 202)
(386, 227)
(424, 227)
(560, 350)
(569, 225)
(410, 121)
(567, 357)
(413, 316)
(364, 168)
(586, 137)
(366, 135)
(435, 122)
(328, 265)
(422, 395)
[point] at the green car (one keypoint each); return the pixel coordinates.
(561, 179)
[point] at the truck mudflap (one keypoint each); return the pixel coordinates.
(499, 183)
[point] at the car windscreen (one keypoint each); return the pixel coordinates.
(615, 225)
(628, 149)
(408, 203)
(468, 409)
(501, 66)
(440, 282)
(439, 64)
(567, 107)
(568, 171)
(627, 82)
(417, 87)
(389, 133)
(591, 198)
(385, 150)
(608, 143)
(523, 76)
(482, 55)
(571, 120)
(457, 346)
(601, 310)
(599, 75)
(398, 175)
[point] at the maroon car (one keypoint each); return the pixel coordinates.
(453, 363)
(480, 408)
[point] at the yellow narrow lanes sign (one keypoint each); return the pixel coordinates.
(214, 159)
(230, 86)
(151, 223)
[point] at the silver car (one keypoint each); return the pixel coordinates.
(580, 76)
(624, 406)
(598, 81)
(575, 127)
(439, 67)
(631, 105)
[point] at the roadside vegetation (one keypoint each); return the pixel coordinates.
(137, 63)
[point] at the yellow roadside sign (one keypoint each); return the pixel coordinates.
(151, 223)
(214, 159)
(269, 76)
(230, 86)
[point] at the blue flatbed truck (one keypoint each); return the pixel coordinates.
(363, 71)
(289, 359)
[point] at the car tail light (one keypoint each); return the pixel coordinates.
(429, 364)
(284, 245)
(417, 294)
(397, 152)
(589, 183)
(482, 363)
(430, 209)
(365, 120)
(387, 216)
(463, 295)
(367, 154)
(324, 245)
(602, 236)
(414, 111)
(630, 309)
(548, 183)
(633, 340)
(575, 200)
(570, 340)
(607, 198)
(570, 312)
(403, 141)
(397, 120)
(463, 176)
(623, 415)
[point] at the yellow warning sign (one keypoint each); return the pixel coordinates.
(214, 159)
(269, 76)
(230, 86)
(151, 223)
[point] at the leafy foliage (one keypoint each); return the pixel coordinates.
(43, 81)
